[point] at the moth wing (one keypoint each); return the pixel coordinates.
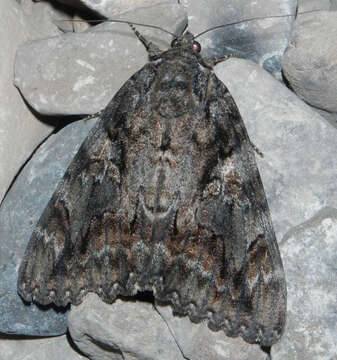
(230, 270)
(258, 280)
(69, 252)
(254, 280)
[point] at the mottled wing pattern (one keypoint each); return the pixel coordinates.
(227, 265)
(71, 250)
(165, 195)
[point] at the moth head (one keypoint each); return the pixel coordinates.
(186, 40)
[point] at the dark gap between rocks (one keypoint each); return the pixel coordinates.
(266, 350)
(144, 296)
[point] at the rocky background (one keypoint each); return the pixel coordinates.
(283, 77)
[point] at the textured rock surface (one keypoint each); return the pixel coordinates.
(38, 349)
(79, 73)
(309, 63)
(17, 318)
(20, 132)
(18, 215)
(308, 5)
(310, 257)
(41, 17)
(122, 330)
(197, 342)
(262, 41)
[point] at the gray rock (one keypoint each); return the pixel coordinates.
(262, 41)
(309, 63)
(330, 117)
(38, 349)
(41, 17)
(20, 132)
(18, 318)
(80, 73)
(122, 330)
(198, 342)
(309, 5)
(75, 23)
(19, 213)
(310, 257)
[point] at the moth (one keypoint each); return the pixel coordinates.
(164, 195)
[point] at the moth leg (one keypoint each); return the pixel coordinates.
(256, 149)
(92, 116)
(211, 61)
(217, 60)
(151, 48)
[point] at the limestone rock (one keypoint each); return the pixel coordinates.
(309, 63)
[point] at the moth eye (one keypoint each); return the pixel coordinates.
(196, 46)
(175, 43)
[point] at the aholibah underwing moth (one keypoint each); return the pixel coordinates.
(165, 195)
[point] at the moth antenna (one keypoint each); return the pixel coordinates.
(151, 48)
(123, 22)
(253, 19)
(140, 37)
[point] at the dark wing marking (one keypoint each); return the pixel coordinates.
(76, 246)
(172, 203)
(228, 269)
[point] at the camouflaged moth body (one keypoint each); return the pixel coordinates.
(165, 195)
